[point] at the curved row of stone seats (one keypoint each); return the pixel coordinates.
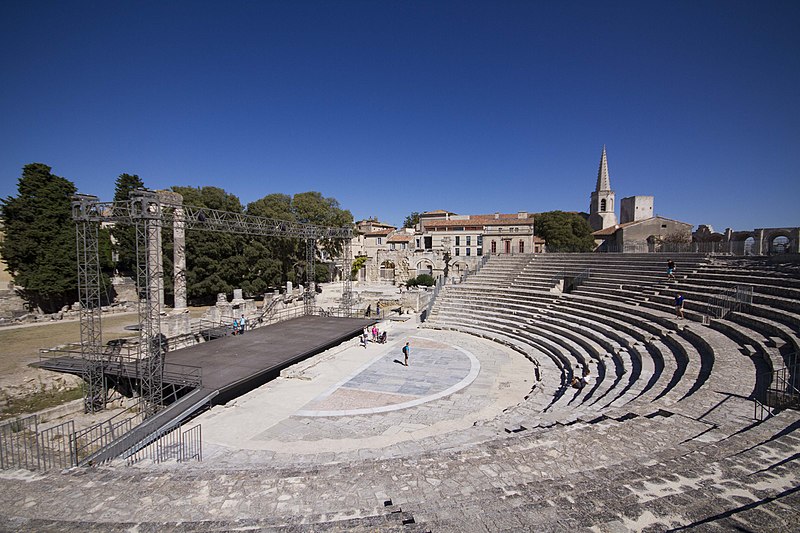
(722, 358)
(670, 484)
(572, 350)
(621, 474)
(771, 323)
(624, 361)
(613, 330)
(773, 318)
(499, 270)
(689, 365)
(684, 360)
(688, 359)
(643, 269)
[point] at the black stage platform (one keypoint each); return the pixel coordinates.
(233, 365)
(236, 364)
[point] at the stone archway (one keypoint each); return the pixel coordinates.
(425, 267)
(387, 272)
(458, 268)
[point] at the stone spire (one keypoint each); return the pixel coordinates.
(601, 204)
(603, 181)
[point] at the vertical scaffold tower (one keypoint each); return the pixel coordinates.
(149, 212)
(86, 231)
(146, 211)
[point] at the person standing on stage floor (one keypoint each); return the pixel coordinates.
(378, 309)
(406, 351)
(679, 305)
(369, 310)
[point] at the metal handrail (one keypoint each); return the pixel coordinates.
(782, 390)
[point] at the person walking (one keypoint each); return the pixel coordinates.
(679, 305)
(671, 270)
(406, 352)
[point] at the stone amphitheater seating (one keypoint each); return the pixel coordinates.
(620, 321)
(621, 317)
(662, 438)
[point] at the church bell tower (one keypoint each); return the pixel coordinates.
(601, 205)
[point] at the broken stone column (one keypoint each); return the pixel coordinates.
(179, 257)
(175, 201)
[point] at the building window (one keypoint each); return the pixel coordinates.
(603, 204)
(521, 246)
(469, 241)
(480, 251)
(468, 250)
(458, 240)
(480, 241)
(391, 246)
(403, 246)
(458, 250)
(494, 247)
(378, 240)
(418, 244)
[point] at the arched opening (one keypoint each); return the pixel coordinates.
(779, 244)
(748, 246)
(425, 267)
(387, 272)
(603, 204)
(459, 268)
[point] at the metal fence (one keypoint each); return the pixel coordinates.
(577, 278)
(172, 444)
(94, 438)
(781, 390)
(729, 300)
(24, 445)
(728, 247)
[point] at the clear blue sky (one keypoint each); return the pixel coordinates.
(393, 107)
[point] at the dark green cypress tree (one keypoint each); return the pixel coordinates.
(39, 245)
(124, 235)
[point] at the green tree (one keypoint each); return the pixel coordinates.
(124, 235)
(275, 257)
(39, 245)
(215, 261)
(411, 220)
(564, 232)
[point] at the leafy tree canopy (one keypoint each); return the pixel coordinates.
(215, 261)
(124, 235)
(564, 232)
(39, 245)
(411, 220)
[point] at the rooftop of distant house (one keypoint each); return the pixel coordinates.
(496, 219)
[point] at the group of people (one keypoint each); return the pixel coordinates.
(678, 297)
(368, 312)
(239, 325)
(377, 336)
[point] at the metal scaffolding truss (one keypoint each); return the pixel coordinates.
(202, 218)
(149, 212)
(94, 398)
